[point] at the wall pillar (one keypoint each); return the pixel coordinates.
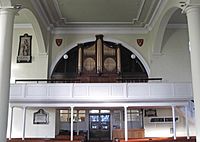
(193, 17)
(72, 129)
(6, 34)
(125, 123)
(174, 121)
(24, 123)
(186, 122)
(11, 121)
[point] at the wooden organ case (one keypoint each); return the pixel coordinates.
(99, 62)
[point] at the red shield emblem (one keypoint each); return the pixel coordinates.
(59, 42)
(140, 42)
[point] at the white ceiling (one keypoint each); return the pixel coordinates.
(72, 12)
(134, 13)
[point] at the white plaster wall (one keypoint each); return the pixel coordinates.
(163, 129)
(173, 64)
(35, 70)
(32, 130)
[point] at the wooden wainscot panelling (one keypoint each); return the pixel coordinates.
(132, 133)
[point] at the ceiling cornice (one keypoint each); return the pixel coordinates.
(99, 30)
(139, 11)
(177, 26)
(48, 10)
(156, 14)
(97, 27)
(23, 26)
(41, 13)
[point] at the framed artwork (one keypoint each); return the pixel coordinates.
(40, 117)
(24, 51)
(150, 112)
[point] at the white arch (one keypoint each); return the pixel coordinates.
(36, 27)
(132, 49)
(157, 46)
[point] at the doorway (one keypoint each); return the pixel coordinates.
(99, 126)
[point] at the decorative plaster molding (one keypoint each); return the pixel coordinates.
(139, 11)
(57, 8)
(40, 11)
(97, 27)
(23, 26)
(177, 26)
(156, 14)
(100, 30)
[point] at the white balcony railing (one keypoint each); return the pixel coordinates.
(84, 92)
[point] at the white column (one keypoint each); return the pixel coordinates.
(72, 129)
(186, 122)
(174, 121)
(111, 124)
(11, 121)
(6, 33)
(125, 124)
(24, 123)
(193, 17)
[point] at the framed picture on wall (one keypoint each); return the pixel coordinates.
(24, 51)
(40, 117)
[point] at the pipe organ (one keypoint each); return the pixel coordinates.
(99, 61)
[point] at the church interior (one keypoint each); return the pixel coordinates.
(99, 70)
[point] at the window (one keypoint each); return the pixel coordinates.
(78, 115)
(133, 115)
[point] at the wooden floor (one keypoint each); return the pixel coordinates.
(179, 139)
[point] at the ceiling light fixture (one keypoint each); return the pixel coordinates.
(65, 56)
(133, 56)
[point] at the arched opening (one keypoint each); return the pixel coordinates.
(25, 18)
(161, 30)
(100, 61)
(25, 23)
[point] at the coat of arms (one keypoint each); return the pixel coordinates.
(140, 42)
(59, 41)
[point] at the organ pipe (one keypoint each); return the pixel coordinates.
(118, 60)
(99, 44)
(79, 59)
